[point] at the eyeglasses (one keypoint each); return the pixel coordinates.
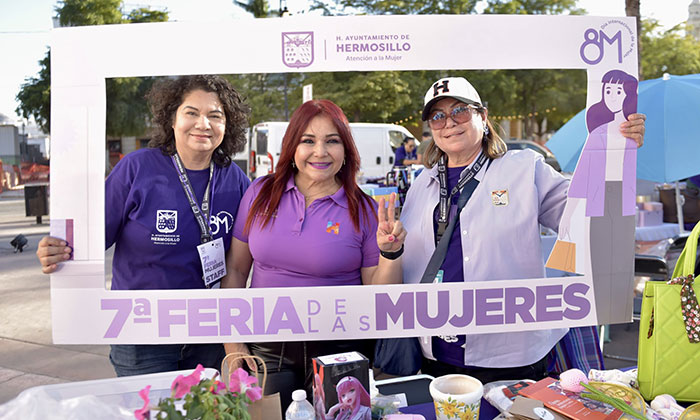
(459, 115)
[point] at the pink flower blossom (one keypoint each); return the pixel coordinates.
(254, 393)
(142, 413)
(241, 382)
(182, 384)
(218, 387)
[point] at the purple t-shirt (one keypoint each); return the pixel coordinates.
(314, 246)
(449, 349)
(401, 154)
(150, 221)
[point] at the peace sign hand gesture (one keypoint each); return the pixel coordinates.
(390, 232)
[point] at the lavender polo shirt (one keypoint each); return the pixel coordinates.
(314, 246)
(497, 243)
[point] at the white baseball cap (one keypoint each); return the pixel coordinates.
(450, 87)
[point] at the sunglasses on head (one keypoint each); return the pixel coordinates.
(459, 115)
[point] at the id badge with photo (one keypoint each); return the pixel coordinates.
(212, 255)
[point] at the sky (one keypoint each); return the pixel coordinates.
(25, 27)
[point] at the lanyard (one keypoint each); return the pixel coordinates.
(202, 216)
(444, 197)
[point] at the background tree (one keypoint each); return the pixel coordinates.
(674, 51)
(410, 7)
(143, 15)
(264, 93)
(532, 7)
(632, 9)
(34, 96)
(538, 90)
(363, 96)
(127, 113)
(258, 8)
(89, 12)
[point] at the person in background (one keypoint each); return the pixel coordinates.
(406, 153)
(497, 233)
(426, 139)
(309, 224)
(150, 200)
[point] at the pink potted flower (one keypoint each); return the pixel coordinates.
(195, 398)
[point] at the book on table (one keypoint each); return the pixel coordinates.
(570, 404)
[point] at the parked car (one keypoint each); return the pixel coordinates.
(515, 144)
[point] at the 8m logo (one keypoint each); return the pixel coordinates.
(596, 40)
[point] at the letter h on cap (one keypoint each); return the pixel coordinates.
(443, 86)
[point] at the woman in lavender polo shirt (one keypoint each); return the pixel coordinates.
(309, 224)
(497, 234)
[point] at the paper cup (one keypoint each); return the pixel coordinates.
(456, 397)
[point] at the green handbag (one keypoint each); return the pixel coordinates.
(669, 343)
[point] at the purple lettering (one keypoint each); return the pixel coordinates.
(522, 309)
(196, 316)
(403, 307)
(467, 310)
(142, 307)
(544, 302)
(312, 311)
(443, 309)
(284, 316)
(364, 320)
(483, 307)
(571, 298)
(227, 319)
(258, 315)
(340, 306)
(338, 324)
(310, 329)
(166, 319)
(123, 308)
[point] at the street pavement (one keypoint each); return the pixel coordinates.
(28, 357)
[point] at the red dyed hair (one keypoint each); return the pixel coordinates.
(268, 199)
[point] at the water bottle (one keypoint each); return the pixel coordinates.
(300, 409)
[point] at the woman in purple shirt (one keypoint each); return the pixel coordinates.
(309, 224)
(199, 123)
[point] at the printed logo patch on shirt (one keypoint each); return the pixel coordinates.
(166, 221)
(499, 197)
(333, 227)
(221, 221)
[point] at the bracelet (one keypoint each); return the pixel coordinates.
(392, 255)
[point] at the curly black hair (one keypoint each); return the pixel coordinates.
(167, 95)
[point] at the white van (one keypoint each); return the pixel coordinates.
(242, 159)
(375, 143)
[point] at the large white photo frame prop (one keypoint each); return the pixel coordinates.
(84, 312)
